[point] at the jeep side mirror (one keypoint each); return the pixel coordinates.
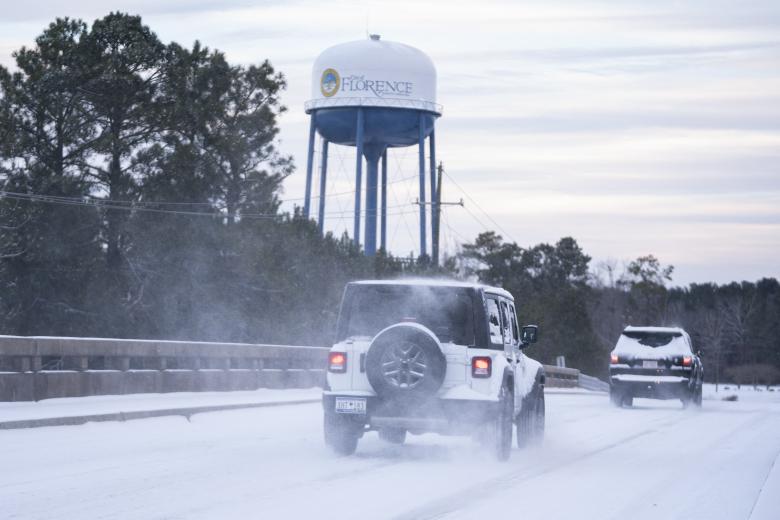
(528, 335)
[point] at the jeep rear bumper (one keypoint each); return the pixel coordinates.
(444, 416)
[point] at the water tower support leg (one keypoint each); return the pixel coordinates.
(434, 231)
(421, 143)
(371, 187)
(323, 180)
(309, 166)
(383, 224)
(358, 175)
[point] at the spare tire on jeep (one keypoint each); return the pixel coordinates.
(405, 360)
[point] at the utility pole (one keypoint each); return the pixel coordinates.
(437, 215)
(436, 205)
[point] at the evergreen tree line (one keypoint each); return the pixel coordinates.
(582, 308)
(140, 198)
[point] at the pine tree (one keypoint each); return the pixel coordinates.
(47, 247)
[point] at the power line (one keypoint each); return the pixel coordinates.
(451, 229)
(108, 204)
(113, 205)
(136, 203)
(351, 192)
(498, 226)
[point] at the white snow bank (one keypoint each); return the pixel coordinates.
(74, 406)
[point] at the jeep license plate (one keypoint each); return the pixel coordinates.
(649, 364)
(350, 405)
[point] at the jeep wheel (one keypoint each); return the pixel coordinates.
(697, 397)
(405, 361)
(393, 435)
(627, 400)
(540, 418)
(502, 427)
(530, 421)
(341, 434)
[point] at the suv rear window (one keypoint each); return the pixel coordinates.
(652, 339)
(447, 311)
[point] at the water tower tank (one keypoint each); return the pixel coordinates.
(374, 95)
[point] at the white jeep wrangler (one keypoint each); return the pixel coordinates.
(431, 356)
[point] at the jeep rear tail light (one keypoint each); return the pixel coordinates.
(687, 360)
(613, 358)
(337, 362)
(481, 367)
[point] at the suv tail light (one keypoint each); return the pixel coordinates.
(481, 367)
(684, 361)
(613, 358)
(337, 362)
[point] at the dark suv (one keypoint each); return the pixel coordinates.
(431, 356)
(655, 362)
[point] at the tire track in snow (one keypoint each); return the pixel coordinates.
(488, 488)
(749, 425)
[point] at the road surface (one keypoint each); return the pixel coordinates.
(652, 461)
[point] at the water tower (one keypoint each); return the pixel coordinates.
(374, 95)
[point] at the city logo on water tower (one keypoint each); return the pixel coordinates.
(330, 82)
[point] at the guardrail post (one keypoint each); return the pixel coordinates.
(25, 362)
(37, 363)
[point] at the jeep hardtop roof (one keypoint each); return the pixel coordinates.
(438, 282)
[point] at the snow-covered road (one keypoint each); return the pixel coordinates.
(653, 461)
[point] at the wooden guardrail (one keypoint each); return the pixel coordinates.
(34, 368)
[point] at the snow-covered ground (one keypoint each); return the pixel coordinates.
(652, 461)
(103, 404)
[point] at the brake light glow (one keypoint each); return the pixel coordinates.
(613, 358)
(481, 367)
(687, 360)
(337, 362)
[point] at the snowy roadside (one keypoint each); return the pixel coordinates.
(745, 393)
(80, 410)
(77, 410)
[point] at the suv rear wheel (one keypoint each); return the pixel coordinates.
(530, 421)
(393, 435)
(502, 427)
(697, 397)
(615, 398)
(341, 434)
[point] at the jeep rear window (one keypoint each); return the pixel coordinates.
(447, 311)
(652, 339)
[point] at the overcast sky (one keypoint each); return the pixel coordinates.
(635, 127)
